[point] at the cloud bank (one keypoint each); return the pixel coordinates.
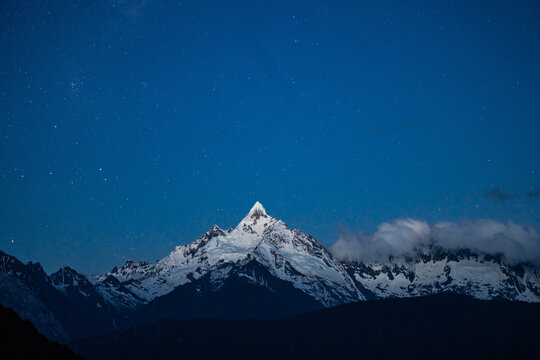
(402, 237)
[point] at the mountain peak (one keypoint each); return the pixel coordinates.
(213, 232)
(256, 221)
(257, 211)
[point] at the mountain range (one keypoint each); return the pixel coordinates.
(260, 269)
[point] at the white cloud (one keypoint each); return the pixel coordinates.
(401, 237)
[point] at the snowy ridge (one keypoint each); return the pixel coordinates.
(481, 276)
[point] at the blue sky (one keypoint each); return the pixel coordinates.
(129, 127)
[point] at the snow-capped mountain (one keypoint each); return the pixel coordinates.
(287, 254)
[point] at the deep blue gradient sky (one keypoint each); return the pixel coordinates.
(129, 127)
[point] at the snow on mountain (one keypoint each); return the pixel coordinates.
(116, 294)
(434, 270)
(288, 254)
(76, 286)
(298, 258)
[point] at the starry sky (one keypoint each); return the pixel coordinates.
(129, 127)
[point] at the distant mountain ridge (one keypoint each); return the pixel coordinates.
(63, 305)
(286, 271)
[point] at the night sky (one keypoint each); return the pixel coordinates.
(129, 127)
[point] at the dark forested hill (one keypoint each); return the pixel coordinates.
(20, 340)
(439, 326)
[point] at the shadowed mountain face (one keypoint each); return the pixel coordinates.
(249, 292)
(17, 296)
(63, 306)
(20, 340)
(440, 326)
